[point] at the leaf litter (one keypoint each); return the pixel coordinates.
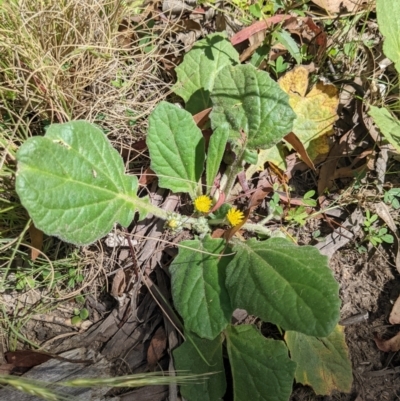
(368, 280)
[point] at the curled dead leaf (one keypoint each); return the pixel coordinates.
(391, 345)
(394, 317)
(157, 347)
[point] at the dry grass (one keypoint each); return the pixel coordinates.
(75, 59)
(72, 59)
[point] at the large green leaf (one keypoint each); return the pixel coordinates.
(200, 356)
(285, 284)
(250, 101)
(216, 148)
(261, 367)
(73, 185)
(176, 148)
(389, 25)
(388, 125)
(198, 286)
(200, 66)
(322, 362)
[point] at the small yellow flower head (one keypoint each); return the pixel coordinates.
(234, 216)
(203, 204)
(174, 222)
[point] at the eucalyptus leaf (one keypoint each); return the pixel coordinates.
(285, 284)
(249, 101)
(261, 367)
(73, 185)
(176, 147)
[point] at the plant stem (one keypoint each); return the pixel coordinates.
(256, 228)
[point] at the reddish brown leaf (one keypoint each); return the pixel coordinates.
(202, 117)
(259, 195)
(245, 33)
(391, 345)
(7, 369)
(394, 317)
(36, 241)
(26, 358)
(140, 145)
(219, 203)
(300, 149)
(157, 347)
(218, 233)
(348, 172)
(320, 35)
(147, 177)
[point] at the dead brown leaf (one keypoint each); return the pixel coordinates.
(246, 33)
(259, 195)
(391, 345)
(218, 233)
(220, 201)
(202, 117)
(394, 317)
(300, 149)
(157, 347)
(26, 358)
(7, 369)
(147, 177)
(36, 241)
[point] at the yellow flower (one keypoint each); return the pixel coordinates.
(172, 224)
(234, 217)
(203, 204)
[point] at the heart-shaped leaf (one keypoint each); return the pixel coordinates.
(73, 185)
(287, 285)
(261, 367)
(322, 362)
(200, 356)
(200, 66)
(249, 100)
(315, 110)
(198, 286)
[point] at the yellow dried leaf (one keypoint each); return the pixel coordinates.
(316, 111)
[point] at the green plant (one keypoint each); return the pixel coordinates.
(48, 391)
(79, 315)
(391, 197)
(299, 215)
(373, 234)
(279, 65)
(73, 185)
(388, 123)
